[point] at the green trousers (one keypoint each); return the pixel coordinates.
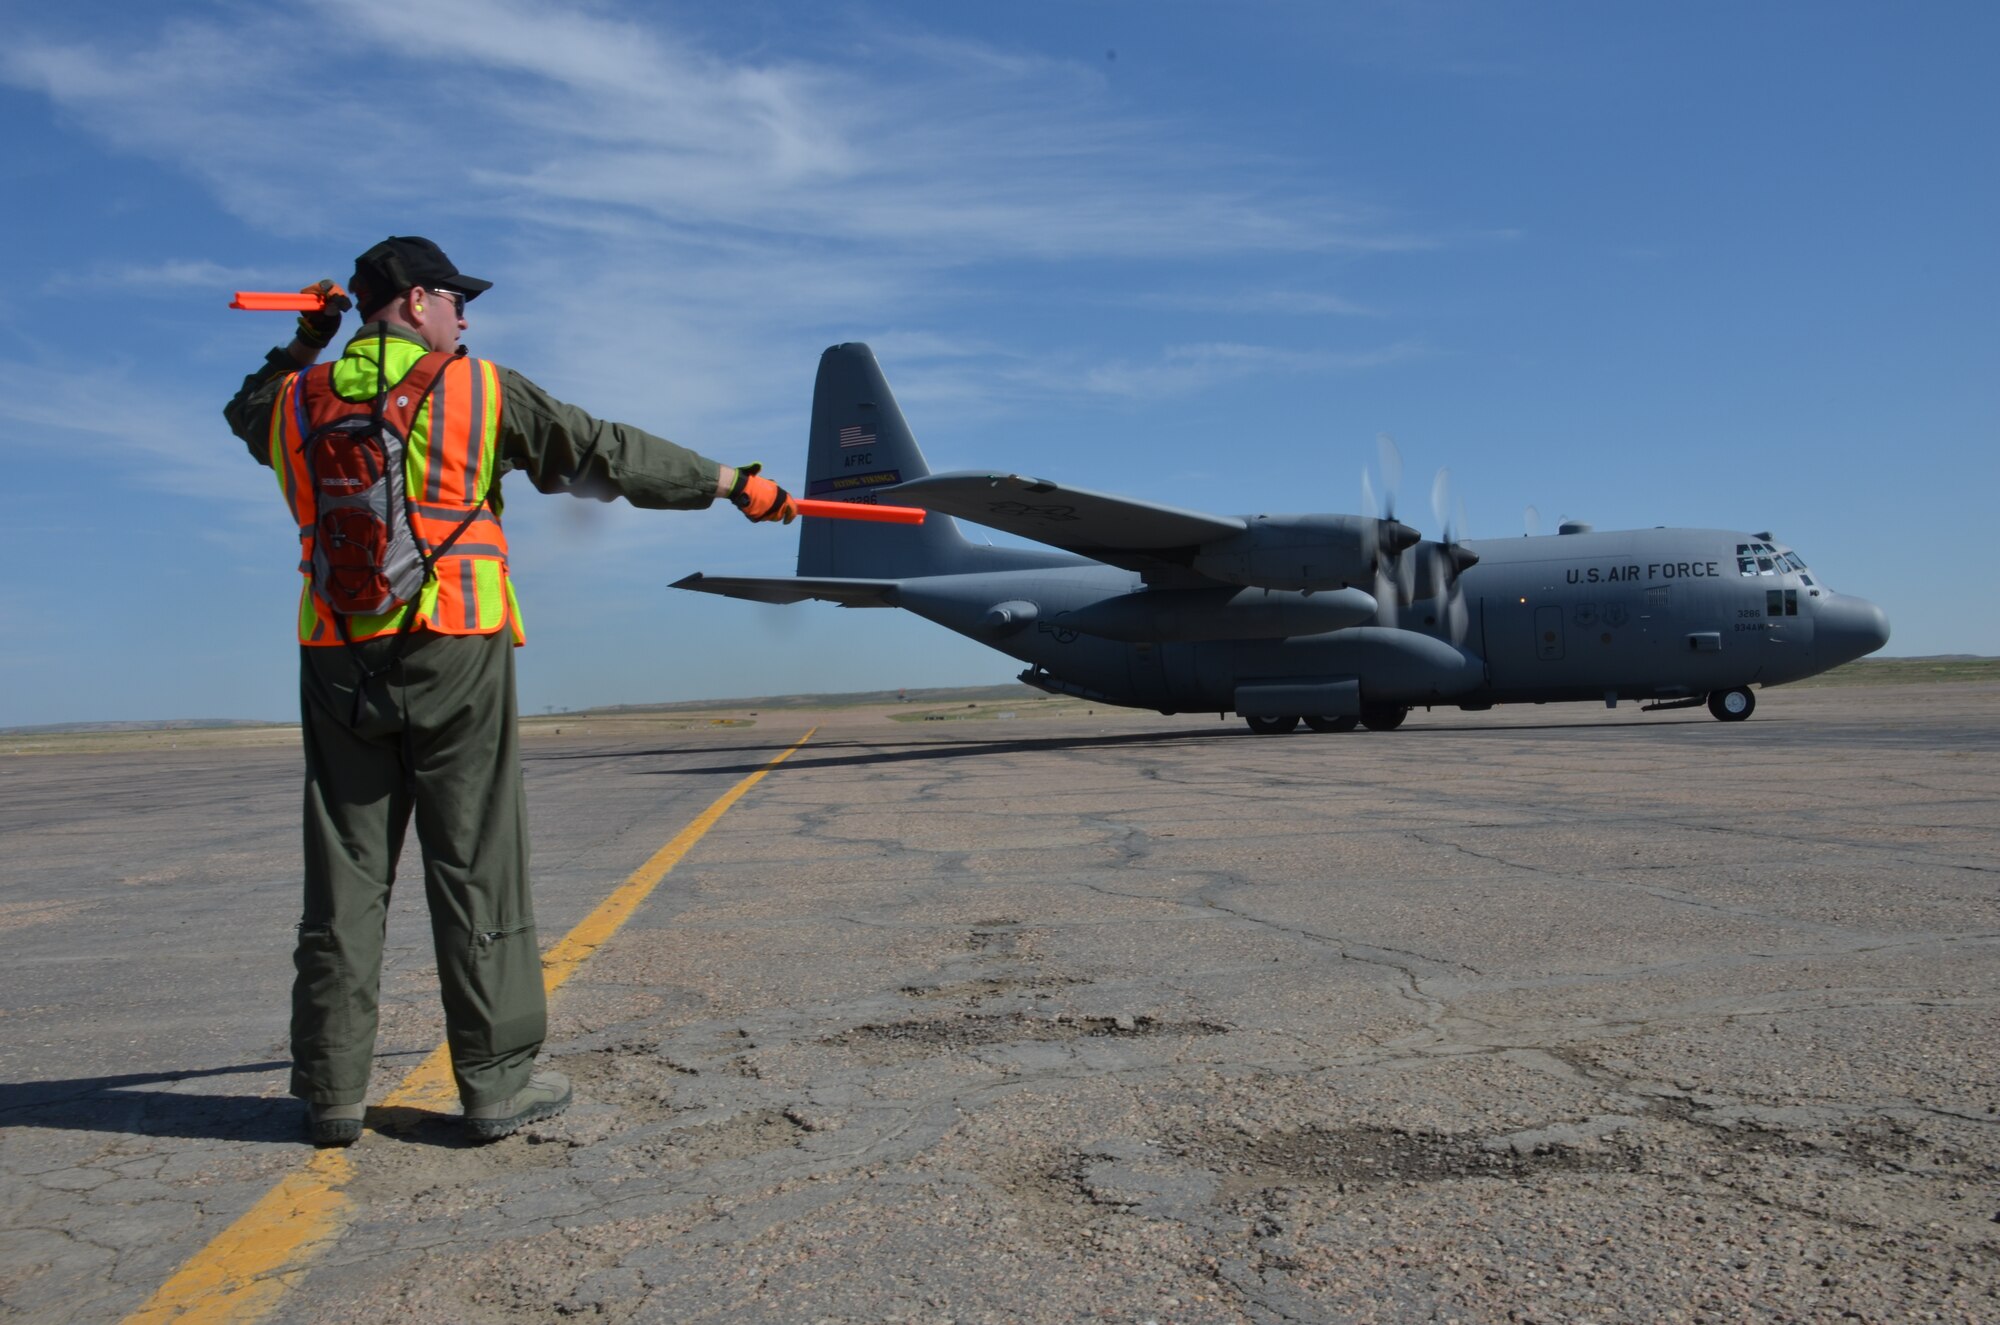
(445, 705)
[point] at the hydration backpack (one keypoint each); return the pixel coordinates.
(367, 558)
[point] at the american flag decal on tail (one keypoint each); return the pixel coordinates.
(856, 436)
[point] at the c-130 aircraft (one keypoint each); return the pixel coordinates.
(1333, 620)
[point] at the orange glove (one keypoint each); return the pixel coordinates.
(759, 498)
(316, 329)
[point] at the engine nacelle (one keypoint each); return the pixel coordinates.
(1179, 616)
(1304, 551)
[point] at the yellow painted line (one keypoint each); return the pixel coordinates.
(246, 1269)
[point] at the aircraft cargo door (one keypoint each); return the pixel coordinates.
(1549, 633)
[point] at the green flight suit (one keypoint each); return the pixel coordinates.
(436, 738)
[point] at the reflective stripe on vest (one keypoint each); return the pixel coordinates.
(448, 465)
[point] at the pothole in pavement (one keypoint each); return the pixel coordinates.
(978, 991)
(1348, 1158)
(638, 1078)
(921, 1038)
(756, 1132)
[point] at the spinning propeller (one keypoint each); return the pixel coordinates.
(1409, 569)
(1449, 558)
(1395, 574)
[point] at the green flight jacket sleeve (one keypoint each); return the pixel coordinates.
(560, 447)
(564, 449)
(249, 410)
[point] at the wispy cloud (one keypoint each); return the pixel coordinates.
(960, 151)
(1293, 303)
(107, 419)
(1184, 369)
(697, 225)
(173, 276)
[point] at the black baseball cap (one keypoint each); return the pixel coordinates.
(402, 261)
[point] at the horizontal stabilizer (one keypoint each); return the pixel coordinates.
(848, 593)
(1073, 519)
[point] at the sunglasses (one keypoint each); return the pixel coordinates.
(457, 300)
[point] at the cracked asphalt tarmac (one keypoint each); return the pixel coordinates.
(1543, 1014)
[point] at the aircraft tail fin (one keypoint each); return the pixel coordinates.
(860, 446)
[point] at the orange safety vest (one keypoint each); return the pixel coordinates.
(448, 466)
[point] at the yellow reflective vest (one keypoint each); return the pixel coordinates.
(449, 463)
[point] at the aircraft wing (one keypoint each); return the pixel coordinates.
(1137, 535)
(848, 593)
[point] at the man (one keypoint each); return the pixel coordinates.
(407, 699)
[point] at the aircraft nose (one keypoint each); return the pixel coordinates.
(1848, 628)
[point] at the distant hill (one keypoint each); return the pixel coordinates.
(1908, 671)
(845, 699)
(163, 725)
(853, 699)
(1868, 671)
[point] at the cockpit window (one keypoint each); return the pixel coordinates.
(1765, 559)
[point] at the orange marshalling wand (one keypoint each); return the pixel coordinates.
(258, 301)
(854, 510)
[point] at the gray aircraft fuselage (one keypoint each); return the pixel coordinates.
(1636, 615)
(1274, 618)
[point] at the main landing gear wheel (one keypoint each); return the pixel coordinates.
(1344, 724)
(1272, 726)
(1732, 705)
(1383, 717)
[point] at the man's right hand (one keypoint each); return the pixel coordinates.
(759, 498)
(316, 329)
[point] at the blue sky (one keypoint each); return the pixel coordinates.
(1701, 264)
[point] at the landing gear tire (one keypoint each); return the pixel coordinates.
(1342, 724)
(1383, 717)
(1732, 705)
(1272, 726)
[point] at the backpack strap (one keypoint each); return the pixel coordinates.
(427, 371)
(433, 364)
